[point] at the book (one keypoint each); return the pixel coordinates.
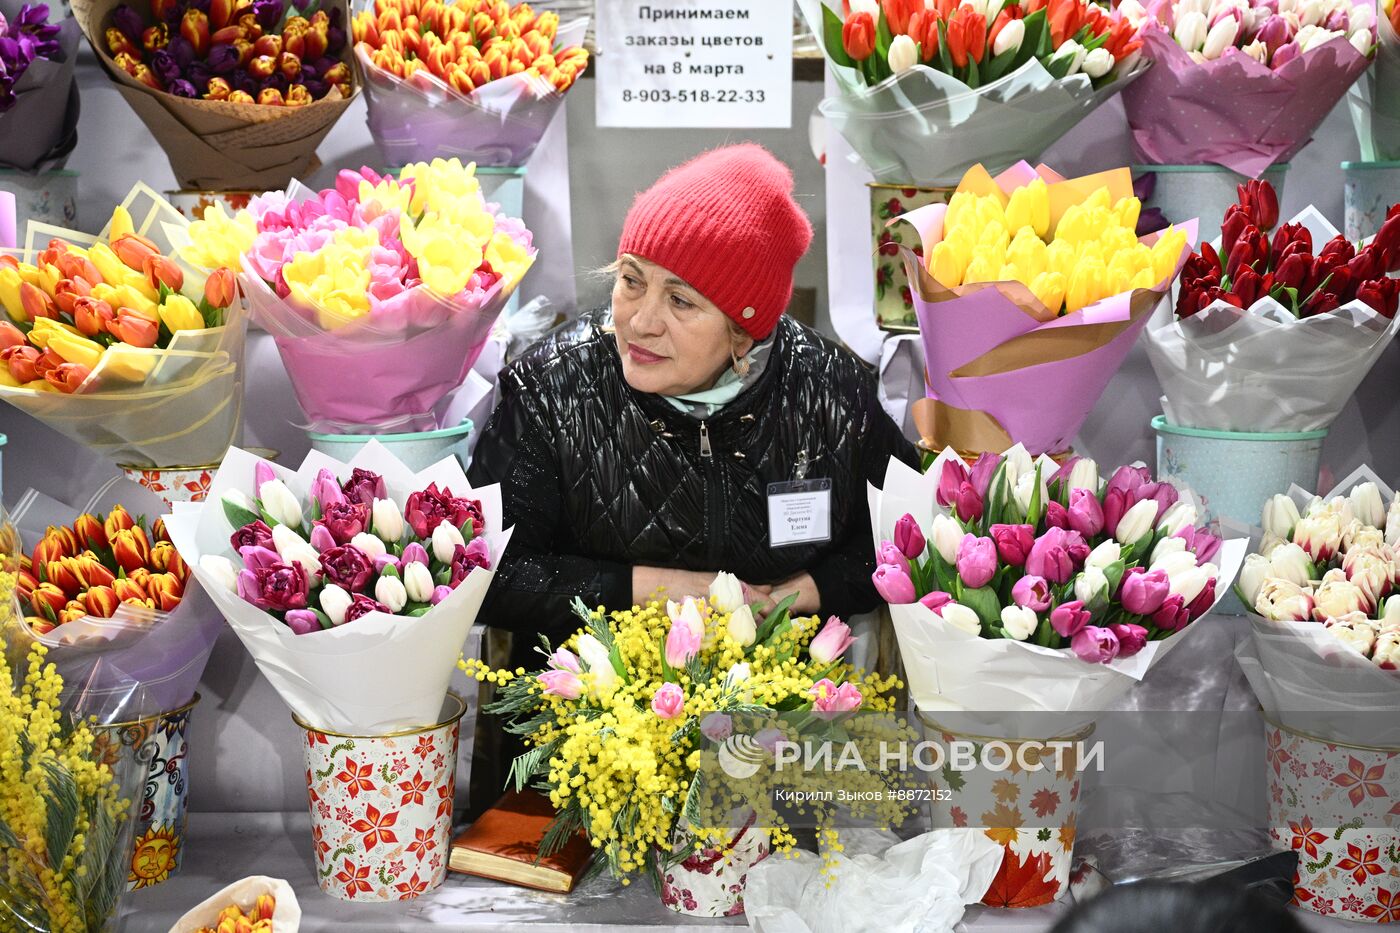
(504, 845)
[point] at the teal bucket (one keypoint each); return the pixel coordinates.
(417, 450)
(1202, 192)
(1234, 473)
(1370, 189)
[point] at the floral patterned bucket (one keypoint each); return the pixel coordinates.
(155, 747)
(1347, 868)
(42, 197)
(381, 807)
(894, 305)
(1370, 191)
(1032, 814)
(193, 203)
(175, 484)
(705, 883)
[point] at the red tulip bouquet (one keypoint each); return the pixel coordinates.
(1242, 84)
(352, 585)
(113, 602)
(1276, 326)
(929, 90)
(1021, 585)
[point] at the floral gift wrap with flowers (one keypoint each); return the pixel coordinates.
(352, 585)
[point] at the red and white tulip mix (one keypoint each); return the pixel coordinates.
(1334, 564)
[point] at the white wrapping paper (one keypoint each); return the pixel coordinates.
(1262, 369)
(922, 884)
(379, 673)
(285, 919)
(950, 670)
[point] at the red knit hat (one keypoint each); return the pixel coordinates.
(726, 223)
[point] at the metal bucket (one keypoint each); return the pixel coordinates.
(1371, 188)
(1201, 192)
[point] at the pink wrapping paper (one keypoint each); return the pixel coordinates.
(369, 376)
(1233, 111)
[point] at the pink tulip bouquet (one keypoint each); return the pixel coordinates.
(1018, 584)
(1322, 588)
(355, 606)
(1242, 83)
(398, 278)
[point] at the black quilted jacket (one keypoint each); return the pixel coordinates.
(597, 477)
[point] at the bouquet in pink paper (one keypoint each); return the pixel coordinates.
(1029, 293)
(394, 279)
(1243, 85)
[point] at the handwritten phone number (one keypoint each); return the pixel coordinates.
(704, 96)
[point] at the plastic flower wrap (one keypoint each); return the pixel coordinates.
(64, 825)
(1243, 85)
(398, 280)
(1017, 585)
(1274, 330)
(257, 899)
(478, 79)
(926, 94)
(1029, 294)
(108, 596)
(38, 90)
(352, 585)
(114, 342)
(665, 677)
(1325, 614)
(237, 92)
(1375, 98)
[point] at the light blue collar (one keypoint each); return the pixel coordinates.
(727, 388)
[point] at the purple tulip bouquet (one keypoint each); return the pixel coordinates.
(1020, 584)
(38, 94)
(355, 607)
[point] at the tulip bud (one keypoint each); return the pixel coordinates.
(334, 603)
(390, 591)
(1220, 37)
(1107, 553)
(445, 540)
(166, 590)
(1191, 31)
(741, 626)
(130, 548)
(1009, 38)
(194, 27)
(101, 602)
(1366, 504)
(961, 617)
(1098, 63)
(369, 544)
(418, 582)
(903, 54)
(1136, 522)
(219, 288)
(1290, 562)
(1018, 622)
(280, 503)
(1280, 516)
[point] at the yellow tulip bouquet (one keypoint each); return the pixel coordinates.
(1030, 291)
(628, 725)
(115, 342)
(393, 280)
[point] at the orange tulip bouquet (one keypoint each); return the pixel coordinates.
(117, 343)
(479, 80)
(113, 603)
(928, 90)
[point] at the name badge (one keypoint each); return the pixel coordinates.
(799, 512)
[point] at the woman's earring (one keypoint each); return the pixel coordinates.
(741, 367)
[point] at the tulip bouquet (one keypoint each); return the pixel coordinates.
(238, 92)
(1030, 280)
(1019, 585)
(1267, 334)
(400, 278)
(1375, 98)
(928, 90)
(354, 607)
(661, 679)
(109, 597)
(116, 343)
(477, 79)
(38, 91)
(1326, 616)
(1242, 83)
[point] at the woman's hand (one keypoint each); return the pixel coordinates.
(678, 584)
(808, 599)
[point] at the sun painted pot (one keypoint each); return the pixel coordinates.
(381, 808)
(1338, 807)
(894, 305)
(706, 883)
(152, 754)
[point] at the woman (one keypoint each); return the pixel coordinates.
(639, 449)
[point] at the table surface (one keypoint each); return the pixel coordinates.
(224, 847)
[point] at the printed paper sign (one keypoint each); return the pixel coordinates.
(694, 63)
